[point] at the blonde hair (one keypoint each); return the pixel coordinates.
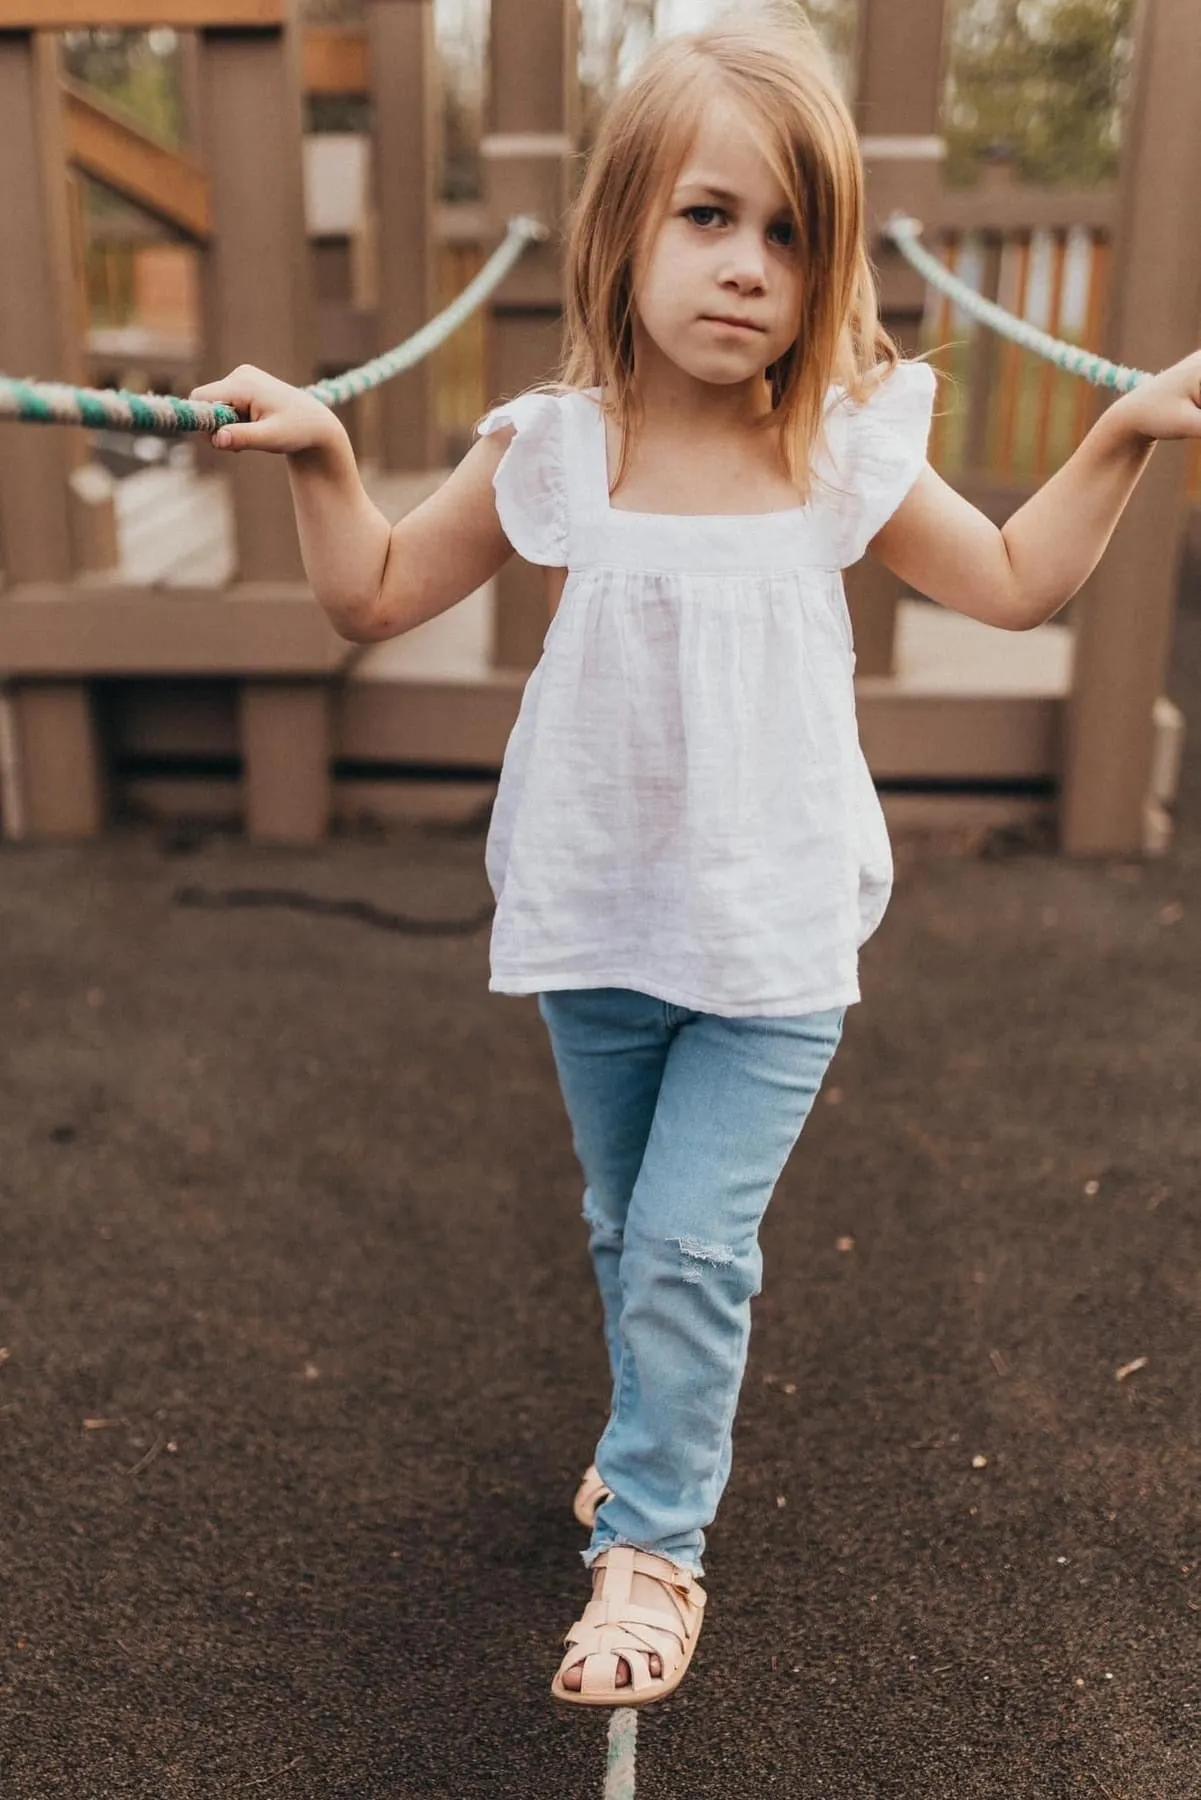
(775, 65)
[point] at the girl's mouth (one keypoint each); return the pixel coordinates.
(733, 324)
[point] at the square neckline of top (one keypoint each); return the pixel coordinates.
(623, 512)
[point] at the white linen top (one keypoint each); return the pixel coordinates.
(684, 807)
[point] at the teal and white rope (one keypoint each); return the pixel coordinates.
(905, 232)
(56, 403)
(623, 1744)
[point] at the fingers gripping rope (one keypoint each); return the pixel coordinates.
(905, 232)
(56, 403)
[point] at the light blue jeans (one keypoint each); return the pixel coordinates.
(682, 1123)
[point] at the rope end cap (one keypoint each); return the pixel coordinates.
(530, 227)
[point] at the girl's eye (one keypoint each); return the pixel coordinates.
(710, 212)
(783, 233)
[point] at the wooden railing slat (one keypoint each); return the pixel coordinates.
(1098, 292)
(140, 15)
(1011, 363)
(1048, 374)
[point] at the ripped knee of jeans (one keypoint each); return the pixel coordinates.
(696, 1256)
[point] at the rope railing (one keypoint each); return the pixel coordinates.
(57, 403)
(904, 232)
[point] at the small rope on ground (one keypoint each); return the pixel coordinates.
(57, 403)
(905, 232)
(623, 1745)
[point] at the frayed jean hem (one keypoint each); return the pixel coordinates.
(590, 1555)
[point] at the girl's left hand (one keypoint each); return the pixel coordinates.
(1168, 405)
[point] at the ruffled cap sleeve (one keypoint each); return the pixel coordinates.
(530, 480)
(878, 449)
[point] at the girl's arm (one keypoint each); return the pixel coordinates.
(1020, 575)
(375, 580)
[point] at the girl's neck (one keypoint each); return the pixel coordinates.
(669, 396)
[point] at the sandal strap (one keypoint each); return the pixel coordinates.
(622, 1562)
(623, 1615)
(600, 1647)
(599, 1672)
(640, 1622)
(615, 1628)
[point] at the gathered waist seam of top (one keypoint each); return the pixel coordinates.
(518, 984)
(640, 566)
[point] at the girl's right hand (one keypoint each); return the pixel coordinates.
(282, 418)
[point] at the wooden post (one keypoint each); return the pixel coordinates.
(38, 300)
(188, 55)
(64, 779)
(257, 304)
(984, 361)
(405, 139)
(527, 168)
(258, 309)
(285, 735)
(1125, 611)
(190, 59)
(897, 109)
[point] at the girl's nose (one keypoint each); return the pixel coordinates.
(746, 265)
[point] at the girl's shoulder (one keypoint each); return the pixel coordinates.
(531, 482)
(874, 450)
(537, 409)
(893, 397)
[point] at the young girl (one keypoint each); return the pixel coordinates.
(686, 848)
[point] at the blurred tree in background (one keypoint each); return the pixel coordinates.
(1042, 80)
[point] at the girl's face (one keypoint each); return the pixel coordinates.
(717, 287)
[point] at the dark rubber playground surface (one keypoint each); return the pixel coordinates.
(304, 1360)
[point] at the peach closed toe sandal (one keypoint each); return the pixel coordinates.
(590, 1496)
(615, 1629)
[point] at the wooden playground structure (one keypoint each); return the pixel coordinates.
(172, 656)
